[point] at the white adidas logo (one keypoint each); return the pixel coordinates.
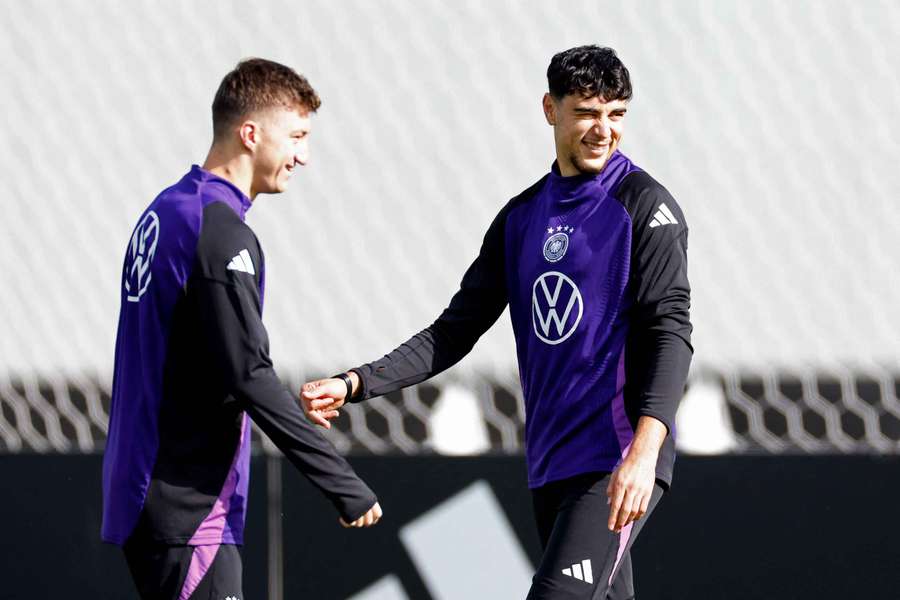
(663, 216)
(581, 571)
(242, 263)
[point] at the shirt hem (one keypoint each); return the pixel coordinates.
(181, 541)
(596, 467)
(664, 476)
(112, 540)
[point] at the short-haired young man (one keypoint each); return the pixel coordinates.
(592, 262)
(192, 356)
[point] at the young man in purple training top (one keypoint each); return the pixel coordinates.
(192, 356)
(592, 262)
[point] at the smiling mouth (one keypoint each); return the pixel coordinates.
(596, 147)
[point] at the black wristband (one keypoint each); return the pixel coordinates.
(349, 382)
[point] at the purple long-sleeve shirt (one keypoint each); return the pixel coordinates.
(191, 364)
(594, 270)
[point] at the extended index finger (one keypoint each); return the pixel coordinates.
(615, 505)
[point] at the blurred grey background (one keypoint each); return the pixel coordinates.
(774, 124)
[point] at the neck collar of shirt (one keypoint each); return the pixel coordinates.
(228, 192)
(577, 187)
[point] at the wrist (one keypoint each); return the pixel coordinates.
(648, 440)
(354, 383)
(642, 455)
(348, 384)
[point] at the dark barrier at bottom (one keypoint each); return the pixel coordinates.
(731, 528)
(50, 540)
(792, 527)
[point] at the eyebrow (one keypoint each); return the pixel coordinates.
(595, 111)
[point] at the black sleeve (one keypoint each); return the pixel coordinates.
(230, 309)
(480, 301)
(658, 351)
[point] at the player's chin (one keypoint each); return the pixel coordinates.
(591, 164)
(282, 184)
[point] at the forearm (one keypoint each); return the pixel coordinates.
(277, 413)
(648, 439)
(238, 344)
(424, 355)
(479, 302)
(662, 358)
(434, 349)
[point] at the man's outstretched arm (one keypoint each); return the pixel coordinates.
(477, 305)
(237, 340)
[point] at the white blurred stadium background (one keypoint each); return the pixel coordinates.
(774, 124)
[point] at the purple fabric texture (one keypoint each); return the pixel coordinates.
(158, 263)
(624, 432)
(568, 258)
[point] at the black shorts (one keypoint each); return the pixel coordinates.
(163, 572)
(582, 558)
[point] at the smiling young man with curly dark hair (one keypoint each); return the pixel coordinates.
(592, 262)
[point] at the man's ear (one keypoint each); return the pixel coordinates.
(249, 133)
(549, 109)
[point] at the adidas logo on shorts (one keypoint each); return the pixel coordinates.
(581, 571)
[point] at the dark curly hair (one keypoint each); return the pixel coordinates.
(589, 71)
(256, 84)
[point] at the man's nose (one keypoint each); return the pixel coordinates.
(601, 128)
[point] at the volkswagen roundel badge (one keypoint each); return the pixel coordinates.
(556, 245)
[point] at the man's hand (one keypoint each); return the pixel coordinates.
(370, 518)
(321, 399)
(631, 484)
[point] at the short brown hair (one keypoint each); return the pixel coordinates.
(257, 84)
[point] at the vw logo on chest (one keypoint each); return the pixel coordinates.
(141, 251)
(556, 307)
